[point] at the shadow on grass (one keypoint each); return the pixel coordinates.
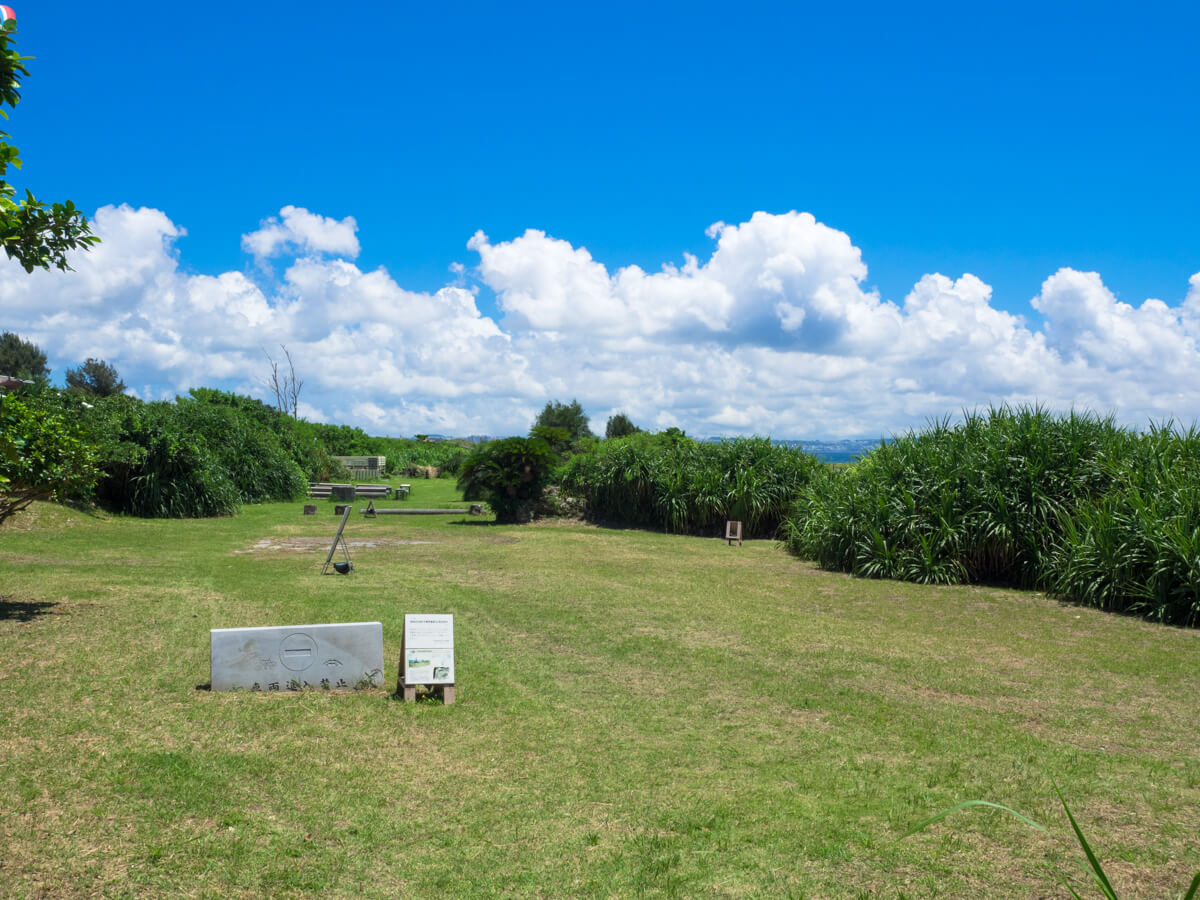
(12, 609)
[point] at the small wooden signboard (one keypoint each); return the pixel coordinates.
(427, 655)
(733, 532)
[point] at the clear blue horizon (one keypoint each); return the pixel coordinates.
(454, 214)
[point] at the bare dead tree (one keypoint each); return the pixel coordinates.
(285, 385)
(293, 385)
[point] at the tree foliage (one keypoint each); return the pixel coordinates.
(20, 358)
(44, 452)
(619, 425)
(35, 234)
(568, 416)
(509, 474)
(95, 377)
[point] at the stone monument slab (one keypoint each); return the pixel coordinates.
(339, 656)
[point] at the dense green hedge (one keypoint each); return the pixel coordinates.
(670, 481)
(153, 465)
(401, 453)
(1068, 503)
(203, 455)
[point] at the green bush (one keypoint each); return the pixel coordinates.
(671, 482)
(44, 451)
(446, 456)
(1072, 504)
(1136, 549)
(197, 457)
(153, 466)
(295, 437)
(326, 441)
(980, 501)
(509, 474)
(257, 460)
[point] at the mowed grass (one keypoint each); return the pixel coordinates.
(638, 715)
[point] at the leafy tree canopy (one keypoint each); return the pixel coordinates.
(95, 377)
(35, 234)
(620, 426)
(20, 358)
(568, 416)
(43, 452)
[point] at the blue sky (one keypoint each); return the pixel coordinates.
(1009, 142)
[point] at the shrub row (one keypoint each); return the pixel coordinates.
(188, 459)
(202, 455)
(346, 440)
(1072, 504)
(670, 481)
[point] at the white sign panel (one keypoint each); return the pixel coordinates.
(428, 649)
(339, 656)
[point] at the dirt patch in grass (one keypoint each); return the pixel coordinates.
(306, 544)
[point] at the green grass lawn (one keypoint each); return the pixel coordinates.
(638, 715)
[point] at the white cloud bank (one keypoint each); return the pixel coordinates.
(774, 333)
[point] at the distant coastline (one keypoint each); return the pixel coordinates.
(836, 451)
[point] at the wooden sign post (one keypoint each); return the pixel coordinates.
(733, 532)
(427, 655)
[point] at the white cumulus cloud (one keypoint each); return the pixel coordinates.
(776, 331)
(297, 229)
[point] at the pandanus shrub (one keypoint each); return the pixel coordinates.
(1069, 503)
(978, 501)
(1136, 548)
(194, 458)
(671, 482)
(155, 467)
(256, 459)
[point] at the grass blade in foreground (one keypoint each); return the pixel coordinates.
(1093, 866)
(966, 803)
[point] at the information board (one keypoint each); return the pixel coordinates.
(428, 649)
(337, 656)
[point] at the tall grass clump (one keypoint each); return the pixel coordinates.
(1136, 548)
(257, 460)
(194, 458)
(1069, 503)
(978, 501)
(153, 466)
(671, 482)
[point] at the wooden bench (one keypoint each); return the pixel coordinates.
(323, 490)
(373, 491)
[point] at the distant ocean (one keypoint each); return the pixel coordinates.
(844, 451)
(837, 456)
(835, 451)
(827, 451)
